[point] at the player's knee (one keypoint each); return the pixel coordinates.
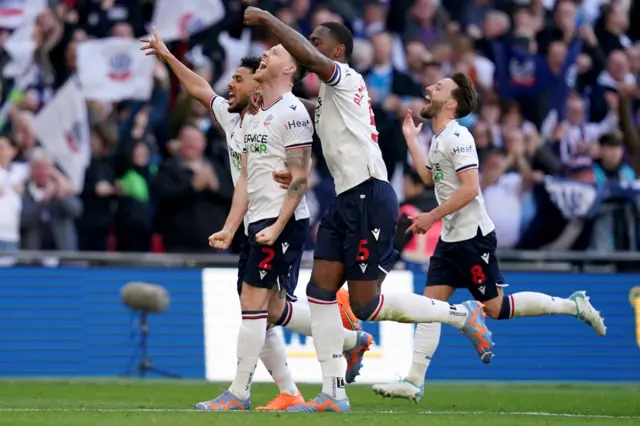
(501, 309)
(363, 310)
(319, 295)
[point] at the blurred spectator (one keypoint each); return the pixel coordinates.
(133, 220)
(97, 196)
(22, 135)
(194, 195)
(49, 208)
(12, 178)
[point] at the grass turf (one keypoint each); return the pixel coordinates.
(159, 403)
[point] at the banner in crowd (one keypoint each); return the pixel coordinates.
(114, 69)
(62, 127)
(579, 200)
(176, 20)
(20, 46)
(14, 12)
(393, 341)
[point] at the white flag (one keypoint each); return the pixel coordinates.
(14, 12)
(114, 69)
(62, 127)
(176, 20)
(20, 47)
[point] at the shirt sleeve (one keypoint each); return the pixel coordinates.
(343, 78)
(298, 129)
(220, 111)
(463, 151)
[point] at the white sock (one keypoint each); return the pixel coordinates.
(326, 327)
(413, 308)
(274, 358)
(300, 322)
(250, 342)
(425, 344)
(531, 304)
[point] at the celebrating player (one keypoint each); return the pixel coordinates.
(355, 238)
(465, 254)
(294, 316)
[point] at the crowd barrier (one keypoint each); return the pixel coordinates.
(69, 321)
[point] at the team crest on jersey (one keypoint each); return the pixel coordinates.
(268, 120)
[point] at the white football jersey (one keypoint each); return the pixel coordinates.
(453, 151)
(268, 135)
(346, 126)
(231, 123)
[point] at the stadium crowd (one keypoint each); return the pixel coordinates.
(558, 112)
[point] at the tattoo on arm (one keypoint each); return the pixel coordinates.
(299, 161)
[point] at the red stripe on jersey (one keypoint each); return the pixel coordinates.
(291, 148)
(467, 169)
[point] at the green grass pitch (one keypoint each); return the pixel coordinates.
(159, 403)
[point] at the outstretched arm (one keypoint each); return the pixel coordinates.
(295, 43)
(197, 86)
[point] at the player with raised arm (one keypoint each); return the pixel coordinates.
(355, 238)
(294, 316)
(465, 256)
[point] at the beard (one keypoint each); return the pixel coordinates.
(239, 106)
(434, 108)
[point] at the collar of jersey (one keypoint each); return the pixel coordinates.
(444, 128)
(272, 104)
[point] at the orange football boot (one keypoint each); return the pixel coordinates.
(282, 402)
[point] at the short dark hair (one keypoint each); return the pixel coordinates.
(343, 35)
(464, 94)
(301, 71)
(250, 62)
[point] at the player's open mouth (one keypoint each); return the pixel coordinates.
(428, 99)
(263, 65)
(232, 96)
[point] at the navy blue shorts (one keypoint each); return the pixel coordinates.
(277, 265)
(470, 264)
(358, 230)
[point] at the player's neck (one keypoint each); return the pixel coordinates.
(439, 122)
(272, 91)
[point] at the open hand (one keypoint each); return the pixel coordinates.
(155, 46)
(409, 129)
(283, 177)
(268, 235)
(221, 240)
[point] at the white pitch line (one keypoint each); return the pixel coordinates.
(422, 412)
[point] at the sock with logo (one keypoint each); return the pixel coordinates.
(250, 342)
(425, 344)
(274, 358)
(297, 318)
(328, 337)
(412, 308)
(531, 304)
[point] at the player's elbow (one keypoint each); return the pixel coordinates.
(472, 192)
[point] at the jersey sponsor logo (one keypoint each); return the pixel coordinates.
(296, 123)
(461, 150)
(293, 107)
(285, 247)
(262, 274)
(438, 175)
(485, 257)
(363, 267)
(256, 143)
(236, 159)
(376, 233)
